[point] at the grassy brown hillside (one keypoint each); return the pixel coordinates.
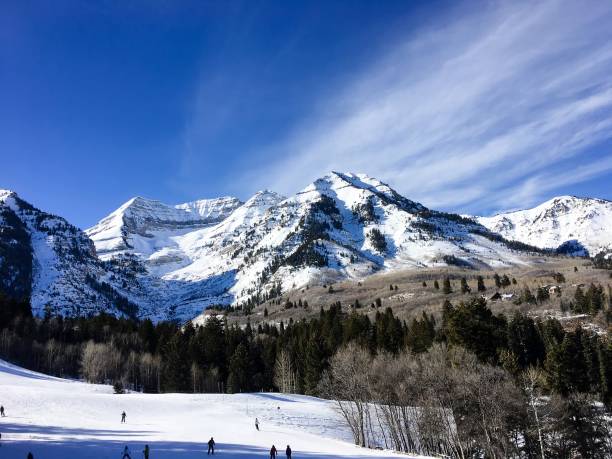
(410, 292)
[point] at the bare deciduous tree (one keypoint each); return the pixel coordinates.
(284, 373)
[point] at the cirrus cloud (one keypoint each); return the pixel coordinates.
(497, 108)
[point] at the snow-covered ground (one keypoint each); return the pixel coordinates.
(56, 419)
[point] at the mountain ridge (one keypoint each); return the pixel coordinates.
(576, 225)
(151, 259)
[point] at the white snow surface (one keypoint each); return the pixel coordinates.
(587, 221)
(57, 419)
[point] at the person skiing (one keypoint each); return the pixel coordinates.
(30, 455)
(126, 453)
(256, 424)
(288, 452)
(211, 446)
(123, 415)
(273, 452)
(2, 411)
(145, 452)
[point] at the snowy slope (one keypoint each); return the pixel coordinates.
(561, 220)
(44, 257)
(140, 217)
(57, 419)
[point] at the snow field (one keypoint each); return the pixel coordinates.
(57, 419)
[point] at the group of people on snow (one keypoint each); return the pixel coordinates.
(273, 452)
(127, 454)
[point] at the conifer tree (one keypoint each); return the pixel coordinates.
(446, 286)
(436, 285)
(481, 284)
(542, 295)
(580, 301)
(527, 296)
(465, 288)
(238, 379)
(313, 365)
(177, 366)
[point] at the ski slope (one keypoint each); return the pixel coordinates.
(60, 419)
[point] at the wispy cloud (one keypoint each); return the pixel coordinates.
(504, 105)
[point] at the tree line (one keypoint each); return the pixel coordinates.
(467, 383)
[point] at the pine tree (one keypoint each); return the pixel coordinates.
(497, 280)
(313, 365)
(176, 365)
(542, 295)
(525, 342)
(421, 334)
(465, 288)
(581, 304)
(436, 285)
(238, 379)
(446, 286)
(527, 296)
(481, 284)
(605, 373)
(473, 326)
(505, 281)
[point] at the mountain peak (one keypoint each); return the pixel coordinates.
(264, 197)
(5, 194)
(556, 222)
(214, 209)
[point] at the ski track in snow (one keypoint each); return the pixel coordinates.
(56, 418)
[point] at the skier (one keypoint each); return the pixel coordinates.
(273, 452)
(211, 446)
(30, 456)
(2, 412)
(123, 415)
(288, 452)
(126, 453)
(256, 424)
(145, 452)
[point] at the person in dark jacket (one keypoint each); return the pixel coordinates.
(123, 415)
(2, 412)
(145, 452)
(288, 452)
(126, 453)
(256, 424)
(30, 456)
(273, 452)
(211, 446)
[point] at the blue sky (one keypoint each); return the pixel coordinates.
(473, 107)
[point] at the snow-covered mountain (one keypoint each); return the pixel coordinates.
(170, 262)
(52, 262)
(139, 216)
(340, 226)
(576, 226)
